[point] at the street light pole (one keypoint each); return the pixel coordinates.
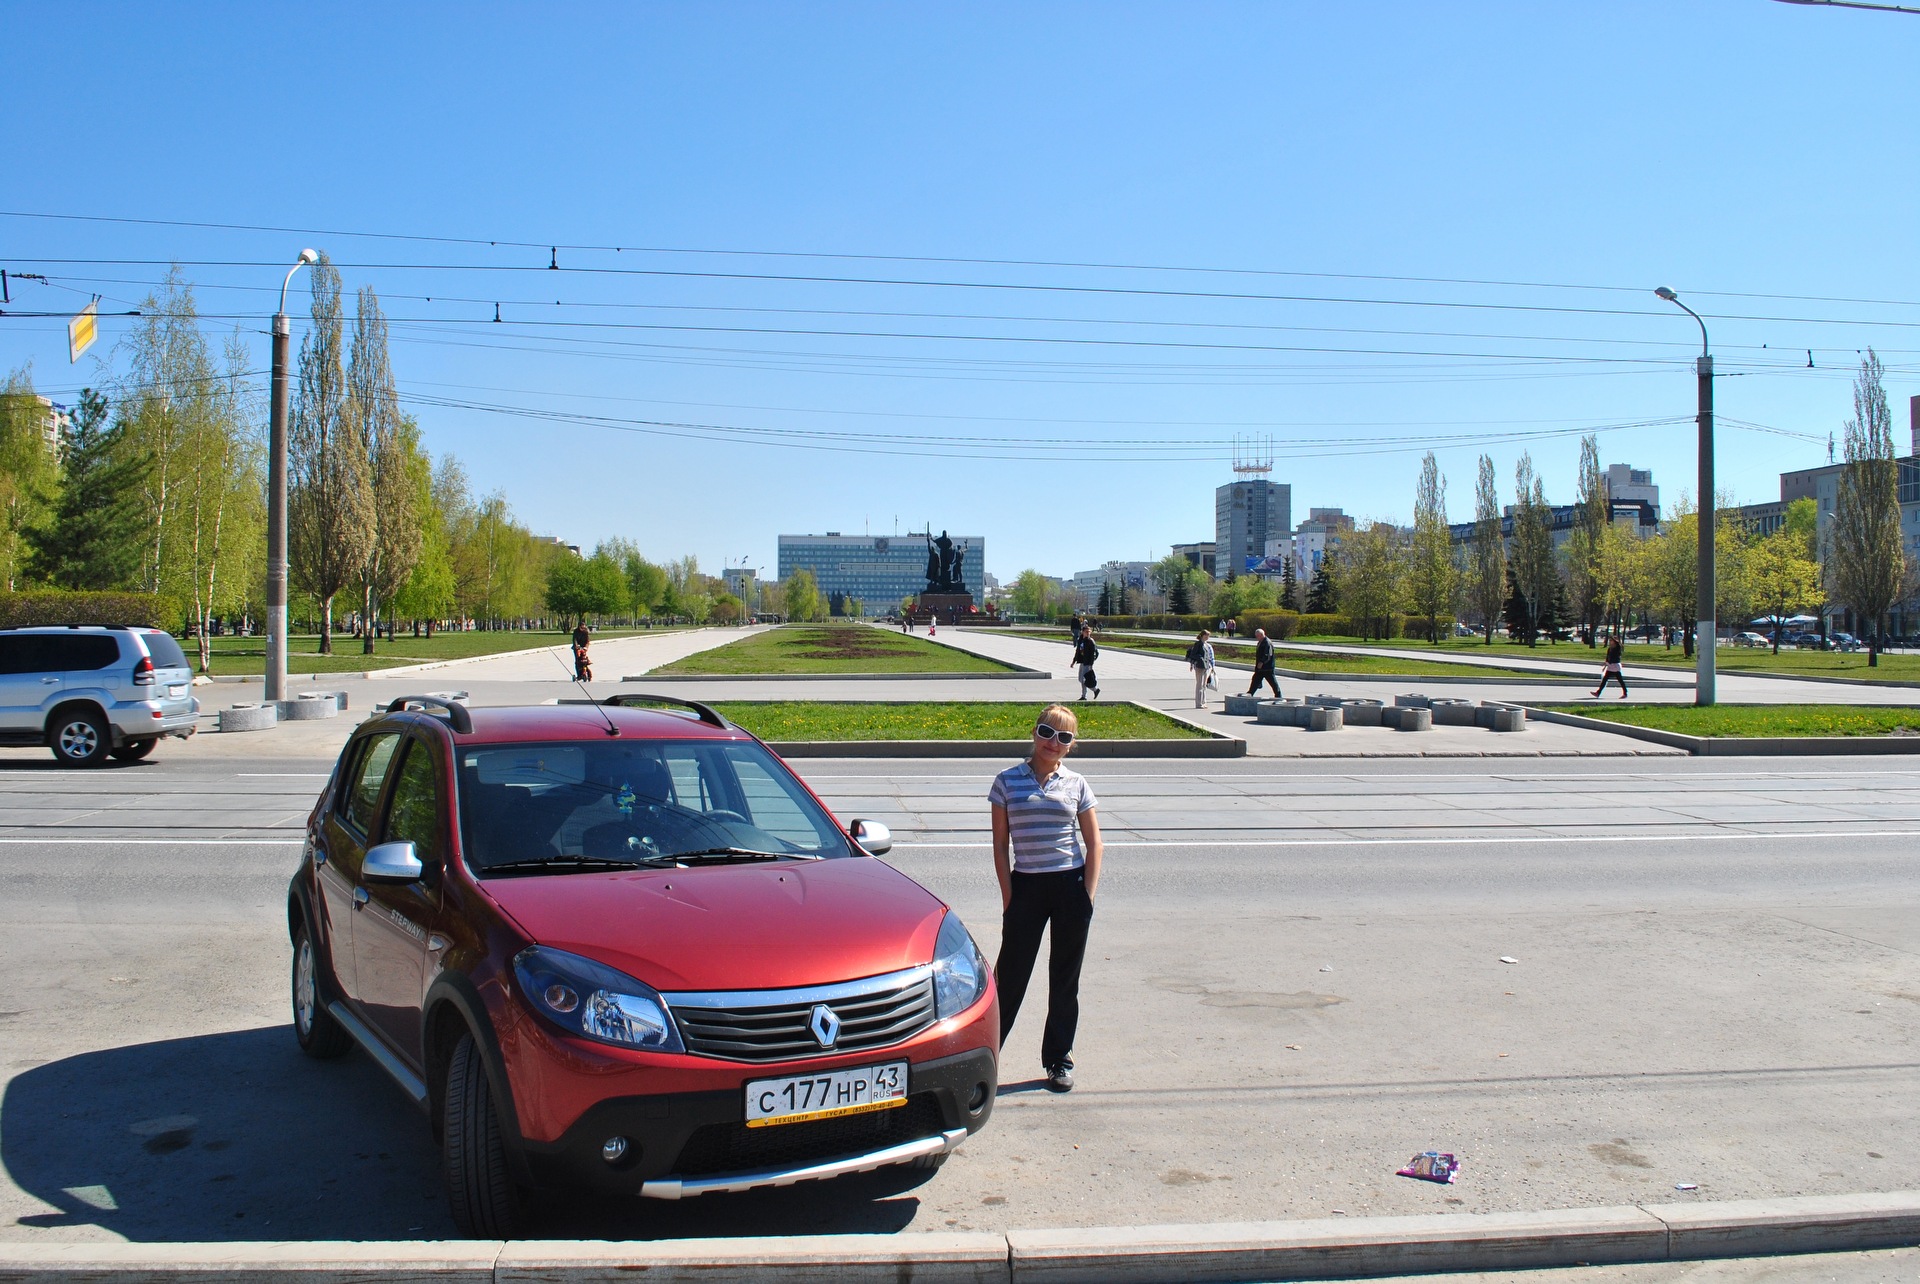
(1706, 631)
(276, 681)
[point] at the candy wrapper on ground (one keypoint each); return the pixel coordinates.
(1432, 1166)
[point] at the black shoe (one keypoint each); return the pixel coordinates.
(1096, 693)
(1060, 1078)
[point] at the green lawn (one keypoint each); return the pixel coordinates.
(1759, 719)
(832, 648)
(1727, 659)
(235, 655)
(941, 720)
(1316, 662)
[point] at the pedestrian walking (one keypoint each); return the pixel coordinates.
(1200, 661)
(1263, 663)
(1084, 655)
(1046, 854)
(1611, 669)
(582, 661)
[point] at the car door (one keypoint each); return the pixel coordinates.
(28, 682)
(390, 931)
(343, 842)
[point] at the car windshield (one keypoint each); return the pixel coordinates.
(600, 804)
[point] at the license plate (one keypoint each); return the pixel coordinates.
(177, 689)
(827, 1095)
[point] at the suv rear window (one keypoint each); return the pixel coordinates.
(165, 651)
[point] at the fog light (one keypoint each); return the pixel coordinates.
(978, 1099)
(613, 1149)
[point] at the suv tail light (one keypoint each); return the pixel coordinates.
(143, 671)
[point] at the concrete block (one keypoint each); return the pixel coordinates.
(249, 717)
(1243, 706)
(339, 698)
(1329, 701)
(1802, 1224)
(267, 1262)
(307, 708)
(1326, 718)
(1336, 1248)
(1361, 713)
(1508, 720)
(1283, 713)
(1415, 701)
(939, 1258)
(1407, 718)
(1448, 712)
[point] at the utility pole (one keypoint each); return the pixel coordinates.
(1706, 632)
(276, 680)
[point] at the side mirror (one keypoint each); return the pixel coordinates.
(875, 839)
(391, 863)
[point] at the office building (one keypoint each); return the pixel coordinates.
(1245, 515)
(1201, 555)
(1131, 576)
(880, 570)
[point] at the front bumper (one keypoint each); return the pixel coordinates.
(685, 1144)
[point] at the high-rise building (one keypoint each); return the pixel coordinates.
(1245, 515)
(880, 570)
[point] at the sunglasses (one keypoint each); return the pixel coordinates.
(1046, 731)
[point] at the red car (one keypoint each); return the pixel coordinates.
(627, 950)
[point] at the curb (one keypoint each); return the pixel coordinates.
(1225, 1253)
(1738, 746)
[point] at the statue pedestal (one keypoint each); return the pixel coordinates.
(948, 608)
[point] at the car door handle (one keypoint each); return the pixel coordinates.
(49, 680)
(360, 898)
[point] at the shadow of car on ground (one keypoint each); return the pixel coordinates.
(238, 1136)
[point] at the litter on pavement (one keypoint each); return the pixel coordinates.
(1508, 958)
(1432, 1166)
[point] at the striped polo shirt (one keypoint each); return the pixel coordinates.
(1043, 820)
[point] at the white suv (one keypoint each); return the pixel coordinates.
(87, 691)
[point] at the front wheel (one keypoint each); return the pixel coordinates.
(321, 1037)
(481, 1193)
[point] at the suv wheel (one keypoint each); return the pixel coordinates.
(481, 1194)
(321, 1037)
(135, 750)
(80, 737)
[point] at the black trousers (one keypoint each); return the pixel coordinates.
(1059, 898)
(1612, 675)
(1264, 673)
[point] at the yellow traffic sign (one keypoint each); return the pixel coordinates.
(81, 331)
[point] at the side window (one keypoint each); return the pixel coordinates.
(13, 653)
(694, 784)
(413, 816)
(363, 793)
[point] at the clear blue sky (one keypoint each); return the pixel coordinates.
(1739, 146)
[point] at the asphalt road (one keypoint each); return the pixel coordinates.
(1295, 983)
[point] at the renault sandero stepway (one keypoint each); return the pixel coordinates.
(626, 949)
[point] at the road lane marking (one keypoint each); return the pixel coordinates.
(1689, 836)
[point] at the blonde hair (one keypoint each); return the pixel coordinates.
(1060, 718)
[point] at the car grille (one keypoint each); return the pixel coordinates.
(779, 1032)
(734, 1147)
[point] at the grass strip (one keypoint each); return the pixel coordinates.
(1759, 719)
(239, 656)
(941, 720)
(832, 648)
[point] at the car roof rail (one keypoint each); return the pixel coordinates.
(456, 713)
(635, 699)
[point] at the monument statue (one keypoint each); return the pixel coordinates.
(944, 566)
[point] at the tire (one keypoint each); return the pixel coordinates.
(321, 1037)
(481, 1193)
(135, 750)
(79, 737)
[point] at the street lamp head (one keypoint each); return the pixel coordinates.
(1667, 294)
(309, 256)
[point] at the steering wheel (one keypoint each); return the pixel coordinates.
(723, 814)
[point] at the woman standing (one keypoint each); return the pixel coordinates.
(1200, 660)
(1046, 852)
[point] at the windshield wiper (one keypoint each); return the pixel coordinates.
(720, 854)
(560, 864)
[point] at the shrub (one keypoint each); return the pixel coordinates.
(1164, 623)
(1280, 625)
(57, 606)
(1315, 624)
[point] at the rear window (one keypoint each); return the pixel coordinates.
(165, 651)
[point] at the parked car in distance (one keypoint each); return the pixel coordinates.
(1752, 639)
(1805, 640)
(1837, 641)
(89, 691)
(627, 950)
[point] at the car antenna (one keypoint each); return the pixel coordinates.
(613, 728)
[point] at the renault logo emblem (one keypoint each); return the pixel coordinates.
(824, 1024)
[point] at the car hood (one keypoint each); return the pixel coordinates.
(733, 927)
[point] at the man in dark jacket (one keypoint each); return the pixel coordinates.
(1263, 663)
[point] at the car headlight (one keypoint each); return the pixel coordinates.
(594, 1001)
(959, 971)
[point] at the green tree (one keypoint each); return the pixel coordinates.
(1785, 580)
(390, 440)
(727, 609)
(331, 521)
(1533, 568)
(1323, 594)
(431, 590)
(93, 538)
(1289, 585)
(28, 474)
(1868, 563)
(1371, 573)
(1433, 580)
(1035, 594)
(578, 587)
(801, 593)
(1487, 563)
(1592, 515)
